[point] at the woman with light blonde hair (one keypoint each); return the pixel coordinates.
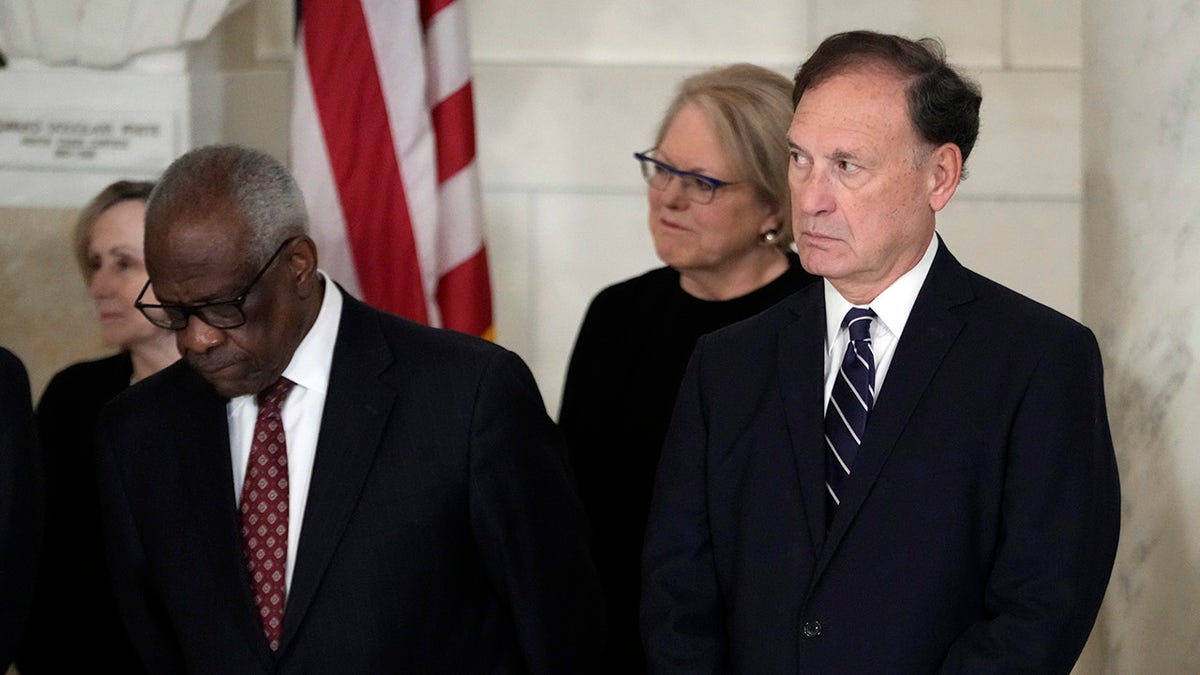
(719, 215)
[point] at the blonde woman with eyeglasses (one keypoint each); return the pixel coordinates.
(719, 216)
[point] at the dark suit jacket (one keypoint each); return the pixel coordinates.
(74, 623)
(976, 533)
(20, 504)
(440, 533)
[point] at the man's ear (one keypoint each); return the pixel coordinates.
(302, 262)
(945, 168)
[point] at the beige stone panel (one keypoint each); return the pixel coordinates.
(1029, 138)
(582, 243)
(567, 128)
(1032, 247)
(1029, 144)
(250, 108)
(509, 247)
(1040, 34)
(240, 81)
(47, 318)
(274, 29)
(972, 30)
(636, 31)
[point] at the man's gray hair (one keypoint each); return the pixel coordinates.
(254, 182)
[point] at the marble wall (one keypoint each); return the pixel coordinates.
(231, 87)
(565, 92)
(1141, 103)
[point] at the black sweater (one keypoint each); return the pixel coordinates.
(620, 390)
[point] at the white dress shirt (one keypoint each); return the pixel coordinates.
(309, 369)
(891, 307)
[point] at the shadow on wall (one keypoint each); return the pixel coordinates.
(1149, 619)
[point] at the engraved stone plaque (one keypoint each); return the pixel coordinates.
(133, 142)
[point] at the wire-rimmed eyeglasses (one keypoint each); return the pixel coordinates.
(218, 313)
(697, 187)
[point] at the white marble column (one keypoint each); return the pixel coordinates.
(1141, 292)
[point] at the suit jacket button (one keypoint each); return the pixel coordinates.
(812, 629)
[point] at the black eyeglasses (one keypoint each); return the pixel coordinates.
(697, 187)
(218, 313)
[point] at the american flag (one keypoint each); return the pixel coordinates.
(383, 146)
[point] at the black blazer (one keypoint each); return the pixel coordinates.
(441, 534)
(976, 533)
(20, 504)
(74, 623)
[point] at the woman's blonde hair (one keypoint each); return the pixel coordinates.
(750, 108)
(119, 191)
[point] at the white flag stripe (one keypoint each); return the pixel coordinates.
(446, 36)
(397, 42)
(420, 183)
(460, 203)
(314, 175)
(424, 76)
(450, 64)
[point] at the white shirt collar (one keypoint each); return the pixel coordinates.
(313, 359)
(892, 306)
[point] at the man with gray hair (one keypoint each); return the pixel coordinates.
(318, 486)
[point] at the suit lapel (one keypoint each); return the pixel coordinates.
(801, 364)
(357, 407)
(928, 335)
(203, 446)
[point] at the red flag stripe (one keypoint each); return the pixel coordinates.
(410, 90)
(358, 139)
(465, 296)
(431, 7)
(453, 125)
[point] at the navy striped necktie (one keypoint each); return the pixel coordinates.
(850, 404)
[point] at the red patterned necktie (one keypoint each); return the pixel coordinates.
(265, 510)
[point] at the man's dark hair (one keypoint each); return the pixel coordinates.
(942, 104)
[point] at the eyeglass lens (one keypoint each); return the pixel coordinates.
(658, 175)
(176, 318)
